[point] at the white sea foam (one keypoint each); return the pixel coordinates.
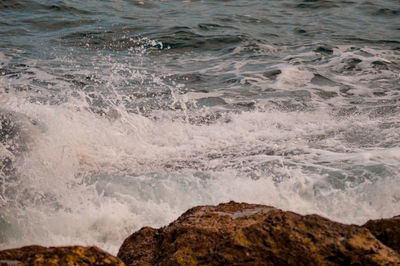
(293, 77)
(91, 180)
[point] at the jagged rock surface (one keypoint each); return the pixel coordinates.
(387, 231)
(73, 255)
(249, 234)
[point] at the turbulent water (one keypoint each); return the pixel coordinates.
(122, 114)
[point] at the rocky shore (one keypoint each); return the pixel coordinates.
(236, 234)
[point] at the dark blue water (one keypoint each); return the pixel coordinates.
(120, 114)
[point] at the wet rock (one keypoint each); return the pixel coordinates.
(251, 234)
(73, 255)
(387, 231)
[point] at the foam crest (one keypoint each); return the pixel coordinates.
(293, 77)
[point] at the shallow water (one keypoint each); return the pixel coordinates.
(122, 114)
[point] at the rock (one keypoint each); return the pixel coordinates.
(250, 234)
(72, 255)
(387, 231)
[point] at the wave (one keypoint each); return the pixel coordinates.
(105, 178)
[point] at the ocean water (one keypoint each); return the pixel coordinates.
(122, 114)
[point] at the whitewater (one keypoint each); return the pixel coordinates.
(123, 114)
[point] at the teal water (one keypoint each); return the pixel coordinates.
(120, 114)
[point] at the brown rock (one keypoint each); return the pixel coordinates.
(387, 231)
(73, 255)
(249, 234)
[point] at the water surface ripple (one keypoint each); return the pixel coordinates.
(119, 114)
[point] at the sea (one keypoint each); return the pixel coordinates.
(119, 114)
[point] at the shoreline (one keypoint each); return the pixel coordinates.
(237, 234)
